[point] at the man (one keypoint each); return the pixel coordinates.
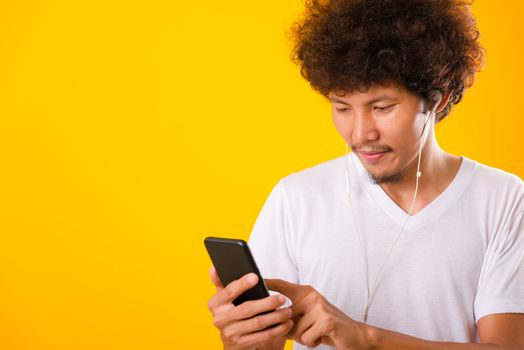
(399, 245)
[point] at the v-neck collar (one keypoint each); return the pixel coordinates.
(430, 212)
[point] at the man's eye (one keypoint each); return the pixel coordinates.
(341, 109)
(385, 109)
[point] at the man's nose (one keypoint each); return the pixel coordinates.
(364, 128)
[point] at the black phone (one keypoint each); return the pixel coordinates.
(232, 259)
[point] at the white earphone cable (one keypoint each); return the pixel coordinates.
(370, 291)
(364, 262)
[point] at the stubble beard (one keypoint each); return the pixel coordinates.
(386, 179)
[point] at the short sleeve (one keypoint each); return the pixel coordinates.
(501, 282)
(271, 238)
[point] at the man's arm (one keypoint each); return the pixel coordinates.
(318, 321)
(497, 332)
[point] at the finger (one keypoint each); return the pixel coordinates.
(226, 314)
(257, 323)
(300, 307)
(266, 335)
(312, 337)
(291, 290)
(309, 298)
(251, 308)
(301, 325)
(215, 279)
(234, 289)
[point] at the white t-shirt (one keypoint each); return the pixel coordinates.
(458, 259)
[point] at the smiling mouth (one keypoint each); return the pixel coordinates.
(374, 156)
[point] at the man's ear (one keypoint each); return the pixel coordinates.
(444, 102)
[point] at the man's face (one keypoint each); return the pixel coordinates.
(383, 128)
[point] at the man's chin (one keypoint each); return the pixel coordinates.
(381, 179)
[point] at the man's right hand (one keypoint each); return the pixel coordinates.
(240, 327)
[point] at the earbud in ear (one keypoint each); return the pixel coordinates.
(435, 96)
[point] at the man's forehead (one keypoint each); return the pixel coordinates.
(373, 94)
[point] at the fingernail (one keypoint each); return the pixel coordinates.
(281, 299)
(251, 278)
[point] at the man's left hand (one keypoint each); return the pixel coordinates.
(316, 320)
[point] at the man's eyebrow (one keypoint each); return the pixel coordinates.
(334, 99)
(376, 99)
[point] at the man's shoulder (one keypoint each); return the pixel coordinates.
(318, 176)
(496, 182)
(493, 176)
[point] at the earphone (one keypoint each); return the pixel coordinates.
(436, 97)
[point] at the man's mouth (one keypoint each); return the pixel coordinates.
(373, 156)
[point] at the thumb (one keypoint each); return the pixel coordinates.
(215, 279)
(290, 290)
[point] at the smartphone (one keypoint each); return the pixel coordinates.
(232, 259)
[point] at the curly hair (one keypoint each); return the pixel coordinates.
(350, 45)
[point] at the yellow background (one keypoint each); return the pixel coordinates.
(130, 130)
